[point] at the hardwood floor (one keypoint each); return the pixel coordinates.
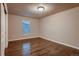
(39, 47)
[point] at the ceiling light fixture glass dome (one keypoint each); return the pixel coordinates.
(40, 8)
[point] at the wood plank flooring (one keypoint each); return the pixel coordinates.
(39, 47)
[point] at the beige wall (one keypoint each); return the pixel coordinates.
(0, 29)
(62, 27)
(15, 27)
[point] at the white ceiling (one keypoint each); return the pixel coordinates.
(30, 9)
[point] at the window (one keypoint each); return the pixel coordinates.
(26, 27)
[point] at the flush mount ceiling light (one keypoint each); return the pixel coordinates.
(40, 8)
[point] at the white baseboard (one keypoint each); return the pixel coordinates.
(60, 43)
(49, 40)
(22, 38)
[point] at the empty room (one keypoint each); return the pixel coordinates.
(39, 29)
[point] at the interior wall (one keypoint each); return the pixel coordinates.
(15, 29)
(62, 27)
(0, 29)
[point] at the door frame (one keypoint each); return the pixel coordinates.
(4, 25)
